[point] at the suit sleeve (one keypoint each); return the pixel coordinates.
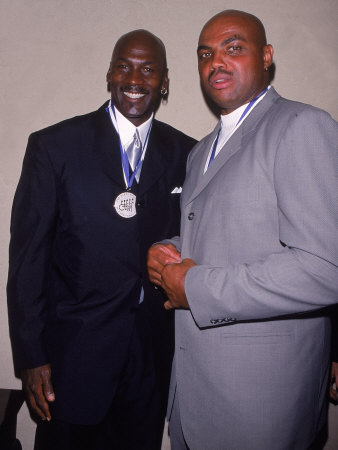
(304, 276)
(32, 231)
(175, 241)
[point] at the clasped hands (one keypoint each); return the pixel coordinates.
(167, 271)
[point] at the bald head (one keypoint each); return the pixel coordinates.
(143, 38)
(233, 59)
(250, 19)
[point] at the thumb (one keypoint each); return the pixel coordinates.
(48, 389)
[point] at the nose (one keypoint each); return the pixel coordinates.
(135, 77)
(218, 60)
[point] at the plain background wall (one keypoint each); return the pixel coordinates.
(54, 59)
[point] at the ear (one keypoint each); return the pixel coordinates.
(165, 80)
(108, 73)
(267, 56)
(108, 79)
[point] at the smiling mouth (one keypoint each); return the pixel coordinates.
(134, 95)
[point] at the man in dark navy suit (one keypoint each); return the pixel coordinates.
(89, 334)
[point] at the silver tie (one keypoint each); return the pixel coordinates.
(134, 151)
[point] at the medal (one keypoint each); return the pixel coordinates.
(125, 204)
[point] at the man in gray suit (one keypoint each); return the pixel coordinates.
(256, 259)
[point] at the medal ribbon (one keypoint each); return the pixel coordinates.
(124, 157)
(245, 113)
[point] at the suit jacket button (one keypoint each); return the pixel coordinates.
(191, 216)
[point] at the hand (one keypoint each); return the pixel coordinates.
(334, 380)
(173, 278)
(37, 385)
(160, 255)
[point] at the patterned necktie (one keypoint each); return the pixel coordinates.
(134, 151)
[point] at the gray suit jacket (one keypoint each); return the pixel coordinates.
(252, 354)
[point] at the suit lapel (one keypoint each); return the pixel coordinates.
(107, 146)
(232, 146)
(197, 160)
(154, 163)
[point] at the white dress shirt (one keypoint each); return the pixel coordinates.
(126, 130)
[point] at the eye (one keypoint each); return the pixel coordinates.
(122, 66)
(148, 69)
(234, 50)
(204, 55)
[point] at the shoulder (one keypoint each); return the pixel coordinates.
(305, 136)
(173, 145)
(294, 112)
(68, 128)
(173, 133)
(281, 120)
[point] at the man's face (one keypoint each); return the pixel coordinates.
(137, 74)
(231, 61)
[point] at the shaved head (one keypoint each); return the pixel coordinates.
(249, 18)
(143, 37)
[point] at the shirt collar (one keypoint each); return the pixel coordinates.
(126, 129)
(229, 121)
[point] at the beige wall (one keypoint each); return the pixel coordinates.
(55, 54)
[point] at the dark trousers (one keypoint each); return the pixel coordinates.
(135, 420)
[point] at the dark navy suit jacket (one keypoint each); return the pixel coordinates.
(334, 349)
(77, 267)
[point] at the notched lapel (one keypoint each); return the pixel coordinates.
(107, 147)
(232, 146)
(227, 151)
(197, 160)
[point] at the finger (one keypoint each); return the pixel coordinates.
(46, 381)
(172, 252)
(48, 389)
(155, 278)
(188, 262)
(42, 405)
(333, 387)
(167, 305)
(333, 395)
(163, 254)
(155, 268)
(30, 398)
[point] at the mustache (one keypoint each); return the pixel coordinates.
(220, 70)
(134, 89)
